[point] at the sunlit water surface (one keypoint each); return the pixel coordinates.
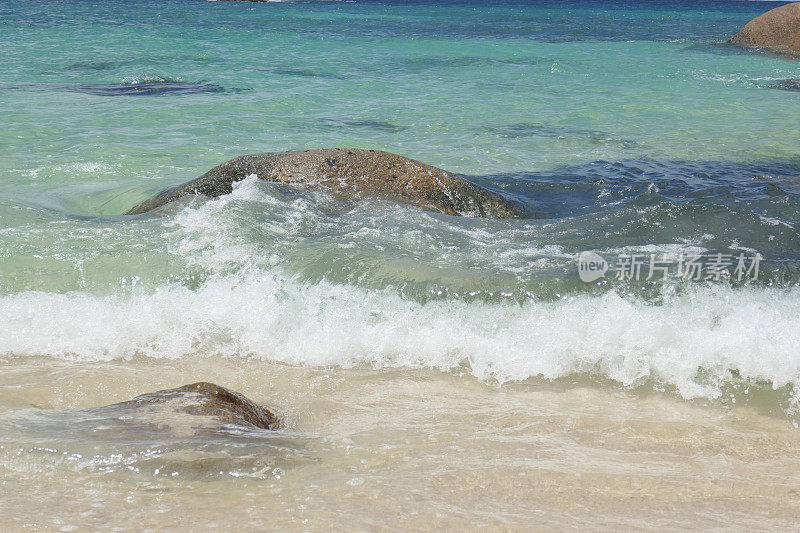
(430, 370)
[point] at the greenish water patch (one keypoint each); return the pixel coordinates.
(626, 128)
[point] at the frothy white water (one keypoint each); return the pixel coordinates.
(251, 302)
(266, 315)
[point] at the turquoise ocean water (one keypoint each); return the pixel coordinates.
(627, 127)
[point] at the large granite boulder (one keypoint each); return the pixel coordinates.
(777, 30)
(354, 173)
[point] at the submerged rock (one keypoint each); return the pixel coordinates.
(790, 84)
(778, 29)
(202, 399)
(354, 173)
(197, 431)
(144, 88)
(148, 88)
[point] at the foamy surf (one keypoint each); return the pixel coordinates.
(693, 341)
(285, 275)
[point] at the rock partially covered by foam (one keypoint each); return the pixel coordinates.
(354, 173)
(222, 406)
(778, 29)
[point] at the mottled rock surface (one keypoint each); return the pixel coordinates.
(778, 29)
(354, 173)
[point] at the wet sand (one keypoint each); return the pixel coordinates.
(399, 449)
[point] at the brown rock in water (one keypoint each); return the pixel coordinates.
(206, 399)
(777, 30)
(354, 173)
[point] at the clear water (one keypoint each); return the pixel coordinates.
(625, 126)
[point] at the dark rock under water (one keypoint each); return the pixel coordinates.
(152, 88)
(354, 173)
(148, 88)
(791, 84)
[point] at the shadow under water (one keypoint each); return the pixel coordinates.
(308, 73)
(375, 125)
(535, 129)
(723, 48)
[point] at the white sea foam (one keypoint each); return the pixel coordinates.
(148, 78)
(265, 315)
(254, 308)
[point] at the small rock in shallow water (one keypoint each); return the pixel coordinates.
(207, 400)
(354, 173)
(196, 431)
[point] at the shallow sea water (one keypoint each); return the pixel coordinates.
(397, 449)
(431, 371)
